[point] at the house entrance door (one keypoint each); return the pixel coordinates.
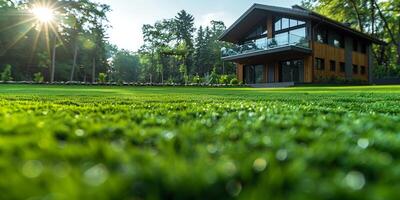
(292, 71)
(254, 74)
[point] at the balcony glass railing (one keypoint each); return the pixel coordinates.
(267, 44)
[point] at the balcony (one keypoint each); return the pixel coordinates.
(267, 46)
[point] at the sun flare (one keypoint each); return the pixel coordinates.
(43, 14)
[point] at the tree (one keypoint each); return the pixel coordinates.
(185, 29)
(126, 66)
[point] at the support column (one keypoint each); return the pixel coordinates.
(239, 72)
(270, 26)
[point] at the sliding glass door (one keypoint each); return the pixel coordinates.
(292, 71)
(254, 74)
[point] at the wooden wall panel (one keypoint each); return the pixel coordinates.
(328, 53)
(308, 69)
(239, 72)
(360, 59)
(270, 26)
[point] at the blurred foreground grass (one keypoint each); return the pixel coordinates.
(199, 143)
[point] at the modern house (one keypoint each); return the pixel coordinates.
(296, 45)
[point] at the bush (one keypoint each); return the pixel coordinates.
(6, 74)
(223, 79)
(102, 78)
(38, 77)
(213, 78)
(196, 79)
(234, 81)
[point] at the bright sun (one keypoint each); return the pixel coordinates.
(43, 14)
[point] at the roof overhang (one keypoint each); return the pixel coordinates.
(252, 17)
(259, 12)
(270, 54)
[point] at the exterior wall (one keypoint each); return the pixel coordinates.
(327, 53)
(308, 69)
(239, 72)
(360, 59)
(339, 55)
(276, 74)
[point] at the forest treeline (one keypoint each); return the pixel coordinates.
(75, 47)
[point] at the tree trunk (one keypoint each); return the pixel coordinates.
(385, 23)
(74, 63)
(53, 59)
(360, 24)
(94, 70)
(373, 17)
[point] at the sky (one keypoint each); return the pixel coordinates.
(128, 16)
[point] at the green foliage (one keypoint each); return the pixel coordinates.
(27, 44)
(234, 81)
(102, 78)
(38, 77)
(196, 79)
(190, 143)
(223, 79)
(214, 77)
(125, 65)
(6, 74)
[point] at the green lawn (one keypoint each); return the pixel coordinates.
(80, 142)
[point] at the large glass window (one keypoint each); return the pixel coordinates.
(363, 70)
(336, 40)
(257, 32)
(363, 48)
(320, 64)
(278, 26)
(333, 65)
(301, 32)
(322, 36)
(254, 74)
(282, 39)
(342, 67)
(292, 71)
(285, 23)
(355, 69)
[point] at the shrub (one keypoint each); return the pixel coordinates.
(6, 74)
(196, 79)
(223, 79)
(102, 78)
(38, 77)
(213, 78)
(234, 81)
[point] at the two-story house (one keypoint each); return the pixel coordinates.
(296, 45)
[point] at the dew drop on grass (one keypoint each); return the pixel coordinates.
(234, 188)
(281, 154)
(32, 169)
(96, 175)
(80, 133)
(230, 168)
(355, 180)
(212, 149)
(260, 164)
(363, 143)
